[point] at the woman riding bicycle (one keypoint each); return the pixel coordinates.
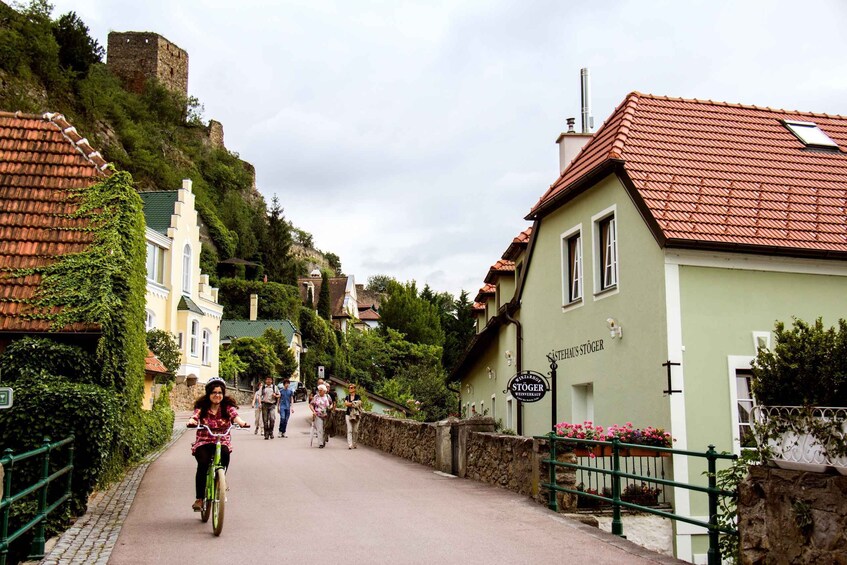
(217, 411)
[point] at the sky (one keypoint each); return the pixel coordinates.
(412, 138)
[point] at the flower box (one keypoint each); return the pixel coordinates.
(804, 438)
(642, 452)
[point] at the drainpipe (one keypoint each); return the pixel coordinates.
(518, 365)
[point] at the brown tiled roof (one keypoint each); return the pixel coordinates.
(518, 245)
(41, 157)
(487, 290)
(477, 308)
(368, 314)
(337, 288)
(153, 364)
(501, 267)
(718, 175)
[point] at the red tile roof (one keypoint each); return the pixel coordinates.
(41, 157)
(487, 290)
(337, 292)
(368, 314)
(478, 307)
(712, 174)
(518, 245)
(501, 267)
(153, 364)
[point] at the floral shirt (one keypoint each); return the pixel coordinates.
(219, 424)
(321, 404)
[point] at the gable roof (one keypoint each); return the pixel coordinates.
(337, 293)
(153, 364)
(486, 290)
(518, 245)
(234, 329)
(158, 209)
(41, 158)
(368, 314)
(721, 176)
(501, 267)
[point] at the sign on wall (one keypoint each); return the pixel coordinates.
(528, 386)
(6, 397)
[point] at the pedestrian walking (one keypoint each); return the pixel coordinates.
(286, 397)
(257, 407)
(353, 402)
(320, 412)
(270, 397)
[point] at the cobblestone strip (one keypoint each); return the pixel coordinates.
(92, 537)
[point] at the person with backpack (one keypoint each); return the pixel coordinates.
(285, 409)
(269, 396)
(353, 402)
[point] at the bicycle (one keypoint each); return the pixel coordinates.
(214, 503)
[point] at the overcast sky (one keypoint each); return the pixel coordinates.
(411, 138)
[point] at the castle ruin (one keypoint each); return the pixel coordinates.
(137, 56)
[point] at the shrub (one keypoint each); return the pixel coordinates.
(807, 366)
(276, 301)
(33, 356)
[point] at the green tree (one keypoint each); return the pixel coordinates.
(230, 365)
(380, 283)
(287, 362)
(276, 301)
(458, 330)
(411, 315)
(258, 355)
(324, 307)
(278, 264)
(334, 263)
(77, 50)
(163, 344)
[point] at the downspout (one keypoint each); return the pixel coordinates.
(518, 362)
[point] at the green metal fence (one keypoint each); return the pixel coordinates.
(616, 448)
(8, 461)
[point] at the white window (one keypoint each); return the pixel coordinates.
(150, 322)
(582, 402)
(745, 404)
(608, 247)
(204, 352)
(179, 340)
(192, 342)
(572, 263)
(186, 269)
(155, 263)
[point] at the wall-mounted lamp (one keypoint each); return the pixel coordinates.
(615, 329)
(469, 388)
(491, 373)
(509, 358)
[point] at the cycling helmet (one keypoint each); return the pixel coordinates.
(215, 381)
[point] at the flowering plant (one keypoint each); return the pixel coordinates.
(656, 437)
(585, 430)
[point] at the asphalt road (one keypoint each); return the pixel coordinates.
(289, 503)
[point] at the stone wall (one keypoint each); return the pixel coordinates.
(136, 56)
(184, 395)
(216, 134)
(511, 462)
(792, 517)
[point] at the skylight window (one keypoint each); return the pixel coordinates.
(810, 134)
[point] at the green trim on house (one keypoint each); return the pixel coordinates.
(185, 303)
(158, 209)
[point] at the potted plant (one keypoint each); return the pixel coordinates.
(801, 390)
(648, 437)
(585, 430)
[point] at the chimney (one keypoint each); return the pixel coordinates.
(585, 98)
(254, 307)
(570, 144)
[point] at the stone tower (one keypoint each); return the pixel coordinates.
(136, 56)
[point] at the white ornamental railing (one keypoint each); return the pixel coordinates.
(804, 438)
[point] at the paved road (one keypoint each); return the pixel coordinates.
(289, 503)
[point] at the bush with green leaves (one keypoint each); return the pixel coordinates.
(164, 345)
(34, 356)
(807, 366)
(276, 301)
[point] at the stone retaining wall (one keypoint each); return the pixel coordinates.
(792, 517)
(183, 396)
(511, 462)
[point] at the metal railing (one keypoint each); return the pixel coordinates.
(616, 449)
(8, 462)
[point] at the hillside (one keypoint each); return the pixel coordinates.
(156, 134)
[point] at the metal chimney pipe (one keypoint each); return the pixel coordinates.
(585, 98)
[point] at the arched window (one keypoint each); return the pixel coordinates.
(186, 269)
(192, 341)
(204, 351)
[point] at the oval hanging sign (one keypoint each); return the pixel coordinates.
(528, 386)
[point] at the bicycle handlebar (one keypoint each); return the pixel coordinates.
(213, 434)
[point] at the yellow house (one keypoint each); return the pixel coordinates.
(179, 297)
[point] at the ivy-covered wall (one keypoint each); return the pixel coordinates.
(62, 388)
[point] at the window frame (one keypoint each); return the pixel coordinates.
(186, 269)
(150, 320)
(205, 346)
(569, 300)
(193, 334)
(736, 364)
(600, 255)
(155, 263)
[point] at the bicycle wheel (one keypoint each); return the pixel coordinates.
(219, 503)
(210, 496)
